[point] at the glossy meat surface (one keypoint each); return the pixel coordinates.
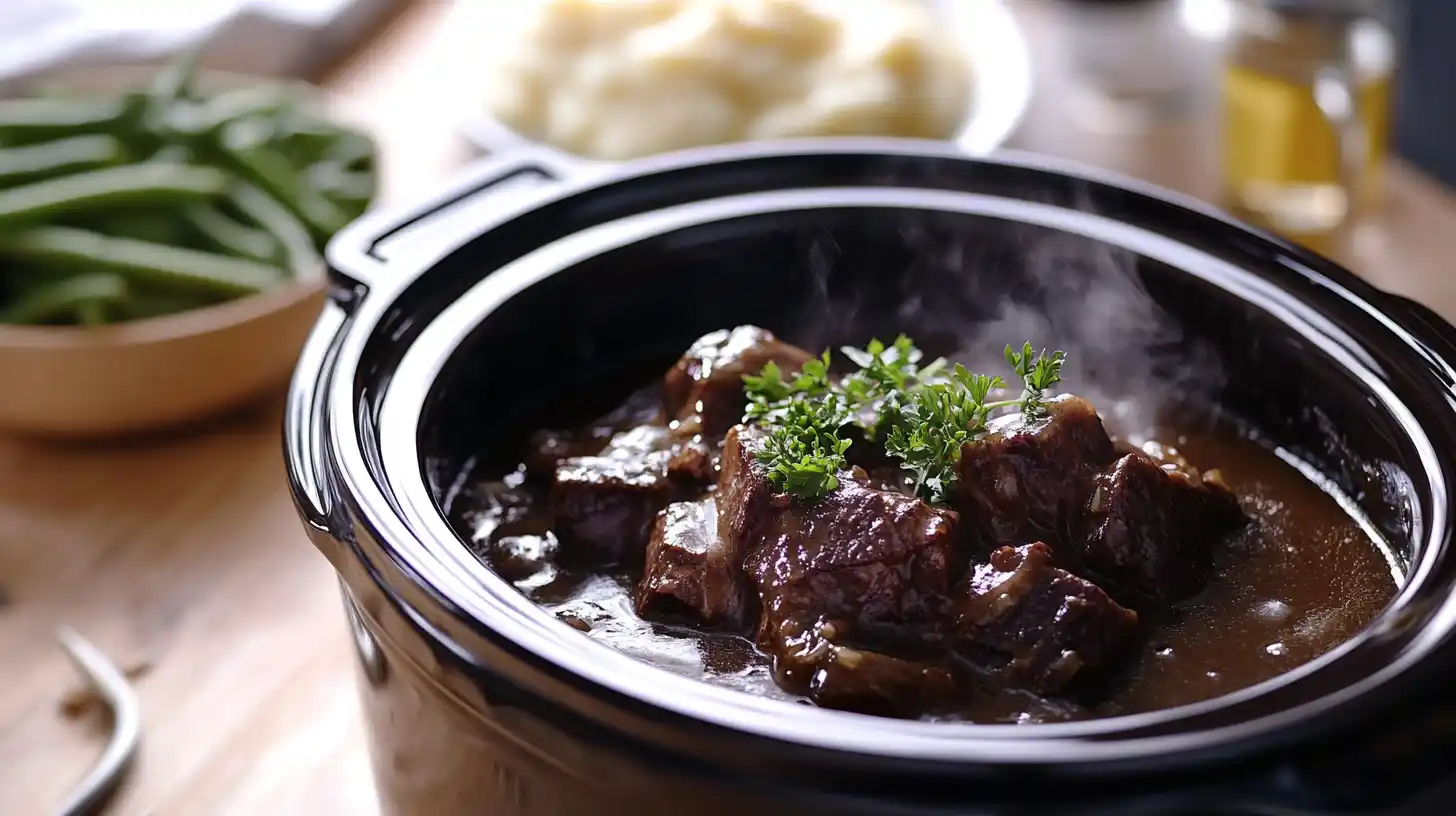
(695, 557)
(691, 572)
(704, 391)
(1030, 482)
(861, 563)
(879, 558)
(604, 505)
(813, 656)
(1032, 625)
(1152, 529)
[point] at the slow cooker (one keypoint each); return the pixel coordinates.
(457, 322)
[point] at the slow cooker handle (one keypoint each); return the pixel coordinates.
(387, 246)
(384, 248)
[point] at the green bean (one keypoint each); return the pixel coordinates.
(49, 159)
(186, 198)
(24, 121)
(300, 253)
(154, 225)
(46, 302)
(169, 90)
(112, 188)
(304, 149)
(249, 134)
(212, 116)
(173, 268)
(350, 189)
(144, 303)
(139, 125)
(354, 151)
(231, 237)
(90, 312)
(172, 154)
(277, 177)
(175, 80)
(304, 138)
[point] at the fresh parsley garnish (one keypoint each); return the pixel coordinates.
(923, 415)
(885, 369)
(934, 422)
(1038, 374)
(804, 451)
(769, 393)
(883, 372)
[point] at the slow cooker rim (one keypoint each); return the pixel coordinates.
(363, 328)
(350, 252)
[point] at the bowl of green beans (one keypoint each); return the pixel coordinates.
(161, 238)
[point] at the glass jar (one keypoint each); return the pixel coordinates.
(1306, 89)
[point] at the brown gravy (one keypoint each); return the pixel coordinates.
(1304, 577)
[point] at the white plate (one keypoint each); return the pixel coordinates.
(1000, 60)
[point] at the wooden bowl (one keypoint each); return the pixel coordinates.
(159, 372)
(154, 373)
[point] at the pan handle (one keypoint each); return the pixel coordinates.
(376, 249)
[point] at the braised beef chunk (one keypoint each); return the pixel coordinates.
(811, 659)
(1029, 482)
(705, 388)
(744, 496)
(690, 570)
(695, 556)
(547, 448)
(863, 563)
(874, 683)
(603, 505)
(877, 558)
(1152, 529)
(1031, 625)
(692, 463)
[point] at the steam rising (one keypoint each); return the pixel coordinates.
(1127, 355)
(967, 296)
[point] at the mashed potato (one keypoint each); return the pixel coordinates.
(616, 79)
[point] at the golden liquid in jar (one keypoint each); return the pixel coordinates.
(1282, 156)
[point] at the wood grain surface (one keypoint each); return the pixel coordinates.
(182, 553)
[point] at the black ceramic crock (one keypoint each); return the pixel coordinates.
(535, 291)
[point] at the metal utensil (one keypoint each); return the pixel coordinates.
(112, 687)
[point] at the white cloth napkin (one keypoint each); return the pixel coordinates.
(272, 37)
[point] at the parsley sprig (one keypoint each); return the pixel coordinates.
(935, 422)
(769, 394)
(883, 371)
(923, 415)
(804, 451)
(1038, 374)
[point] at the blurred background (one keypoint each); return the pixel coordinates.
(142, 358)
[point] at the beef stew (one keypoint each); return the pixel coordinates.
(1042, 569)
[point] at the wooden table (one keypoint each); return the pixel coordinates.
(184, 551)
